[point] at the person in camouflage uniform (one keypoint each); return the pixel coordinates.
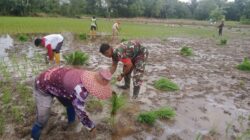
(133, 56)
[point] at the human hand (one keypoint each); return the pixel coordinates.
(93, 133)
(119, 78)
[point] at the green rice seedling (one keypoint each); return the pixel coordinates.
(186, 51)
(2, 122)
(76, 58)
(245, 65)
(16, 113)
(94, 106)
(24, 91)
(6, 98)
(23, 38)
(165, 113)
(223, 41)
(244, 136)
(165, 85)
(83, 36)
(113, 80)
(124, 39)
(147, 117)
(199, 136)
(117, 102)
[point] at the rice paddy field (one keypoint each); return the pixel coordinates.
(196, 85)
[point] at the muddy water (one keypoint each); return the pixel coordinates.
(213, 96)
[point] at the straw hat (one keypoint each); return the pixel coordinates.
(97, 83)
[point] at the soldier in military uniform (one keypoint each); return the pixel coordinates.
(133, 56)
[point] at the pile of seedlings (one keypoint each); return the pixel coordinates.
(151, 116)
(76, 58)
(186, 51)
(165, 84)
(245, 65)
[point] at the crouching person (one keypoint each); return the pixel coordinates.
(71, 87)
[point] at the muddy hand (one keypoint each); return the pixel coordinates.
(93, 133)
(119, 78)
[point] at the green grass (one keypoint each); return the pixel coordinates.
(117, 102)
(245, 65)
(16, 114)
(94, 106)
(223, 41)
(147, 117)
(23, 38)
(23, 25)
(186, 51)
(165, 84)
(83, 36)
(6, 98)
(151, 116)
(165, 113)
(76, 58)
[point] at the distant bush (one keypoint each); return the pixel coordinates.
(245, 65)
(244, 20)
(186, 51)
(223, 41)
(83, 36)
(23, 38)
(76, 58)
(165, 85)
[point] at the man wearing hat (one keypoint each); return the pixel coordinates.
(71, 87)
(133, 56)
(53, 44)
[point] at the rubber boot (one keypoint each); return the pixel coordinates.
(127, 82)
(71, 114)
(57, 58)
(136, 92)
(36, 131)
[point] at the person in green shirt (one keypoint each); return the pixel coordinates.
(133, 56)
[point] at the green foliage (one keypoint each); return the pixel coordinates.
(244, 136)
(147, 117)
(151, 116)
(165, 113)
(223, 41)
(2, 122)
(124, 39)
(94, 106)
(113, 80)
(244, 20)
(83, 36)
(76, 58)
(217, 14)
(117, 102)
(165, 85)
(186, 51)
(6, 98)
(245, 65)
(16, 113)
(23, 38)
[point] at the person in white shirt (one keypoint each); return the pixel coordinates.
(93, 27)
(53, 44)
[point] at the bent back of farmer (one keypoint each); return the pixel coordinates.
(53, 43)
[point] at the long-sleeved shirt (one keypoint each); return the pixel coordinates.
(51, 42)
(65, 83)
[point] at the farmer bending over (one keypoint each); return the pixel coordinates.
(71, 87)
(53, 43)
(133, 56)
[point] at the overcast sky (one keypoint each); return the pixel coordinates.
(190, 0)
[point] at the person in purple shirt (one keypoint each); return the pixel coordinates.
(71, 87)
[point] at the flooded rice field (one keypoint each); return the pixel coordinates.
(213, 102)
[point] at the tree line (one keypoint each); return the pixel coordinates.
(196, 9)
